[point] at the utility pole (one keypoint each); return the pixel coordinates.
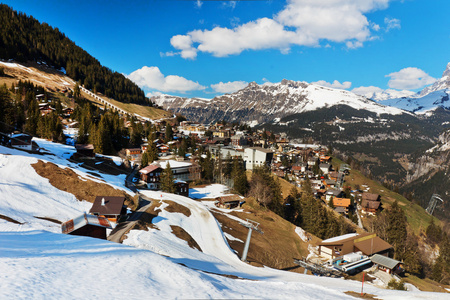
(251, 225)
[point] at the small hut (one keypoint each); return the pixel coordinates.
(87, 225)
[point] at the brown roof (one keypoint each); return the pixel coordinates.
(84, 147)
(149, 169)
(112, 205)
(370, 197)
(371, 246)
(229, 198)
(370, 204)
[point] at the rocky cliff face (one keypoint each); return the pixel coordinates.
(429, 174)
(431, 161)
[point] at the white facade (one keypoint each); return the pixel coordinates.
(256, 157)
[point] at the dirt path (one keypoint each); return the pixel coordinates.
(123, 228)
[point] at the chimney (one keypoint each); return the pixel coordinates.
(103, 201)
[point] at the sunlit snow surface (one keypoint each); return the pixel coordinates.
(37, 262)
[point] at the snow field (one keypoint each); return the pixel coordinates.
(37, 262)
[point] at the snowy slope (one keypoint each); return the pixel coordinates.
(422, 104)
(25, 195)
(43, 264)
(431, 97)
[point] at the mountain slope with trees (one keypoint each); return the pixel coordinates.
(23, 38)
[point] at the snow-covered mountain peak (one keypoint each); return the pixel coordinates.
(440, 84)
(447, 71)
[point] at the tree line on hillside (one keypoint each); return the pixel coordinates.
(23, 38)
(19, 110)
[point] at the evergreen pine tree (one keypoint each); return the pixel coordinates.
(145, 159)
(169, 133)
(167, 182)
(152, 152)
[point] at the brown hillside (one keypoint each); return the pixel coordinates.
(67, 180)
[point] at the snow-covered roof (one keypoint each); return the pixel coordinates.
(339, 238)
(174, 164)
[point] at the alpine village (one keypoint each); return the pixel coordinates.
(88, 161)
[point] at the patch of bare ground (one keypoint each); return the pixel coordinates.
(361, 296)
(177, 208)
(359, 277)
(68, 181)
(276, 248)
(49, 219)
(9, 219)
(183, 235)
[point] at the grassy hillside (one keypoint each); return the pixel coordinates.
(416, 215)
(55, 81)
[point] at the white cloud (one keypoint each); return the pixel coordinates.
(151, 94)
(152, 78)
(409, 79)
(375, 26)
(229, 4)
(184, 43)
(367, 91)
(301, 22)
(170, 53)
(229, 87)
(198, 4)
(336, 84)
(392, 23)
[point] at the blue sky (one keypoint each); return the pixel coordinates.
(206, 48)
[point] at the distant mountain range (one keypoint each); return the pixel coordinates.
(263, 103)
(258, 104)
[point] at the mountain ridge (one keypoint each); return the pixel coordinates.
(263, 103)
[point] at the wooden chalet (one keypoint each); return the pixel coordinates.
(87, 225)
(367, 243)
(84, 151)
(182, 188)
(370, 203)
(22, 141)
(45, 109)
(344, 203)
(110, 207)
(151, 175)
(134, 154)
(230, 201)
(67, 112)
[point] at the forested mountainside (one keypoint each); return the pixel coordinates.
(23, 38)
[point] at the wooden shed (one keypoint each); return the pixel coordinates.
(87, 225)
(389, 265)
(230, 201)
